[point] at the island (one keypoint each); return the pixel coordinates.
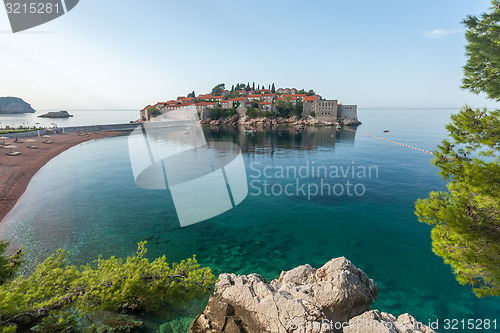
(248, 105)
(58, 114)
(14, 105)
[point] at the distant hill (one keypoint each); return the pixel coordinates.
(11, 105)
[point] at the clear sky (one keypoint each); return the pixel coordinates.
(125, 54)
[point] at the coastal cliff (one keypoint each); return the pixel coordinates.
(333, 298)
(14, 105)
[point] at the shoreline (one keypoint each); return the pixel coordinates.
(16, 172)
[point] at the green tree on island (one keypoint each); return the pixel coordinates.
(217, 90)
(55, 292)
(466, 218)
(153, 112)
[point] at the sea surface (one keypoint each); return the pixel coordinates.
(80, 118)
(86, 201)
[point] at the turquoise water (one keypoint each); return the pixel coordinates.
(86, 201)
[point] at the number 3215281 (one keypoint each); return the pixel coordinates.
(32, 8)
(471, 324)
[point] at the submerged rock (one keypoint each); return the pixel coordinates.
(58, 114)
(301, 300)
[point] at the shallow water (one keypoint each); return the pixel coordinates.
(86, 201)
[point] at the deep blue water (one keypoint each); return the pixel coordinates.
(86, 201)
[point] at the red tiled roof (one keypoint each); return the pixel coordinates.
(287, 97)
(208, 96)
(265, 103)
(238, 99)
(311, 98)
(179, 105)
(299, 95)
(254, 95)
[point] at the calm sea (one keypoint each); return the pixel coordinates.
(86, 201)
(80, 118)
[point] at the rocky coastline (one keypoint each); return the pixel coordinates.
(274, 121)
(334, 298)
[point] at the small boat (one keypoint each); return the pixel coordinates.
(338, 127)
(299, 128)
(249, 131)
(385, 131)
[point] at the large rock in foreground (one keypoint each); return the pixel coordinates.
(336, 292)
(333, 298)
(14, 105)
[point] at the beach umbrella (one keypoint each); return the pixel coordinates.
(11, 147)
(3, 138)
(46, 137)
(30, 140)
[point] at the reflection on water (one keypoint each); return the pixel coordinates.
(268, 141)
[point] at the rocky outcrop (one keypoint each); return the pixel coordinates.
(301, 300)
(380, 322)
(349, 121)
(14, 105)
(58, 114)
(244, 120)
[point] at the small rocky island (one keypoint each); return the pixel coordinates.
(58, 114)
(333, 298)
(14, 105)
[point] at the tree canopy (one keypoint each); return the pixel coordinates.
(482, 71)
(56, 290)
(466, 218)
(217, 90)
(8, 265)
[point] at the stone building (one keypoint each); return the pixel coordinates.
(310, 103)
(348, 114)
(326, 110)
(286, 91)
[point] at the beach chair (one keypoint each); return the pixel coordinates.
(47, 142)
(32, 147)
(13, 153)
